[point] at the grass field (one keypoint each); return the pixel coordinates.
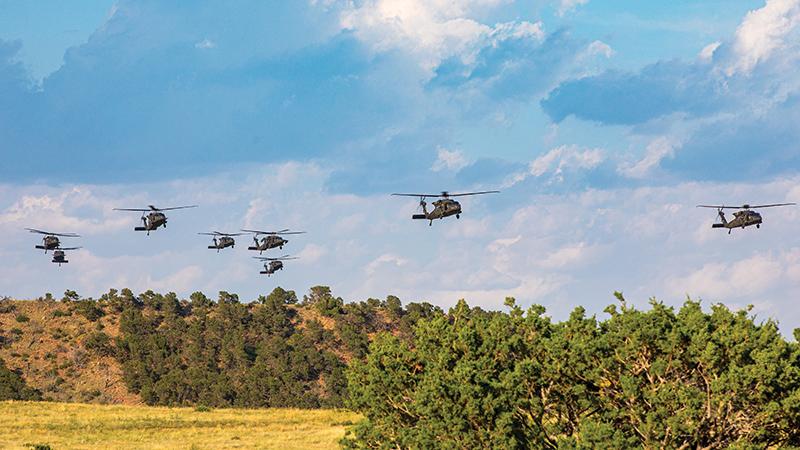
(69, 425)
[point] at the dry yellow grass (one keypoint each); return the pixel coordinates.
(73, 426)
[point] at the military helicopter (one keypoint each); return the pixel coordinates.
(744, 217)
(60, 257)
(225, 240)
(271, 239)
(155, 218)
(50, 240)
(272, 265)
(444, 207)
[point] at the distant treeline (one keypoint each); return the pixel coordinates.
(639, 379)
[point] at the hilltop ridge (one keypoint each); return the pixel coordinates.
(109, 350)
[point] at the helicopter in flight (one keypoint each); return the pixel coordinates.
(222, 240)
(272, 265)
(154, 218)
(50, 240)
(743, 217)
(271, 239)
(444, 207)
(59, 257)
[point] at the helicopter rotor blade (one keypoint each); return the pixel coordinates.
(33, 230)
(255, 231)
(173, 208)
(219, 233)
(279, 258)
(772, 205)
(472, 193)
(153, 208)
(68, 248)
(284, 231)
(745, 206)
(719, 207)
(446, 194)
(417, 195)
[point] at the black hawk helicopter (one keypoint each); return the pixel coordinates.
(222, 240)
(271, 239)
(155, 218)
(744, 217)
(272, 265)
(444, 207)
(50, 240)
(59, 257)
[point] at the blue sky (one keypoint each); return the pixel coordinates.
(603, 123)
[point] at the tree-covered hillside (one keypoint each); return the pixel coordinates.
(276, 350)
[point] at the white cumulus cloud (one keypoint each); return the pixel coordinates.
(453, 160)
(763, 32)
(657, 150)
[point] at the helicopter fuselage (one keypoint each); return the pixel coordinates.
(59, 257)
(741, 219)
(441, 208)
(272, 267)
(49, 243)
(223, 242)
(268, 242)
(152, 221)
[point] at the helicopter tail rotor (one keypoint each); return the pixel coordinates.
(422, 206)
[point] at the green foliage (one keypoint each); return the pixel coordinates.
(99, 343)
(22, 318)
(7, 306)
(88, 309)
(651, 379)
(323, 301)
(199, 300)
(227, 354)
(38, 446)
(70, 296)
(353, 324)
(13, 387)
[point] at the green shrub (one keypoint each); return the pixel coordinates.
(6, 307)
(22, 318)
(99, 343)
(89, 310)
(38, 446)
(13, 387)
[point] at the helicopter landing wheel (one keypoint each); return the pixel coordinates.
(758, 225)
(458, 216)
